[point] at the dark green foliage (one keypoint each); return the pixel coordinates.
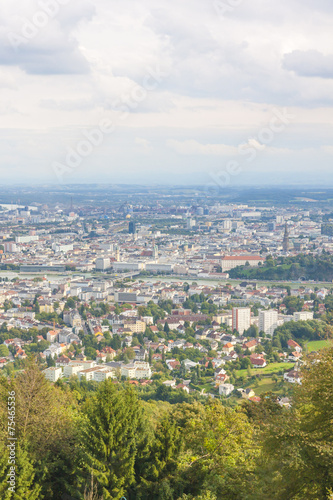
(25, 487)
(104, 438)
(299, 330)
(310, 267)
(111, 435)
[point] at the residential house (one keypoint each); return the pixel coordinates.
(247, 393)
(184, 387)
(293, 376)
(226, 389)
(258, 362)
(293, 345)
(250, 345)
(227, 348)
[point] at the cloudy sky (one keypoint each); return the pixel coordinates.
(226, 92)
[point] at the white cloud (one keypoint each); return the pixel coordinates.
(309, 63)
(328, 149)
(143, 143)
(192, 147)
(222, 78)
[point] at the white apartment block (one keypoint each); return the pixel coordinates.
(142, 369)
(268, 321)
(303, 316)
(241, 319)
(88, 363)
(104, 373)
(52, 374)
(88, 373)
(138, 370)
(128, 371)
(73, 369)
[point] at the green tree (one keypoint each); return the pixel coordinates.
(110, 436)
(297, 457)
(4, 351)
(219, 453)
(45, 426)
(24, 486)
(161, 462)
(253, 331)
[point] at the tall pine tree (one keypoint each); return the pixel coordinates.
(111, 435)
(25, 487)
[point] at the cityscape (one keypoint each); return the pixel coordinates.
(166, 250)
(155, 293)
(191, 301)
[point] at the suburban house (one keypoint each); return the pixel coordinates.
(227, 348)
(250, 345)
(293, 345)
(258, 362)
(294, 377)
(226, 389)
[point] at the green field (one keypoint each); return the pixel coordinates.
(266, 385)
(317, 345)
(269, 369)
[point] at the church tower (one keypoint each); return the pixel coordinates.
(286, 242)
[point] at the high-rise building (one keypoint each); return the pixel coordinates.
(226, 224)
(268, 321)
(10, 247)
(132, 227)
(241, 319)
(102, 263)
(190, 223)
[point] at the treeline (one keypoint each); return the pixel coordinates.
(301, 331)
(108, 443)
(309, 267)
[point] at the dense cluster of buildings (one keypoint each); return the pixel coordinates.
(184, 241)
(48, 257)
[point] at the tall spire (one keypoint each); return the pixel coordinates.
(286, 243)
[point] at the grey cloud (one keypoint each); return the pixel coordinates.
(310, 63)
(46, 48)
(67, 105)
(45, 62)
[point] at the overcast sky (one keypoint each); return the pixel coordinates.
(228, 92)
